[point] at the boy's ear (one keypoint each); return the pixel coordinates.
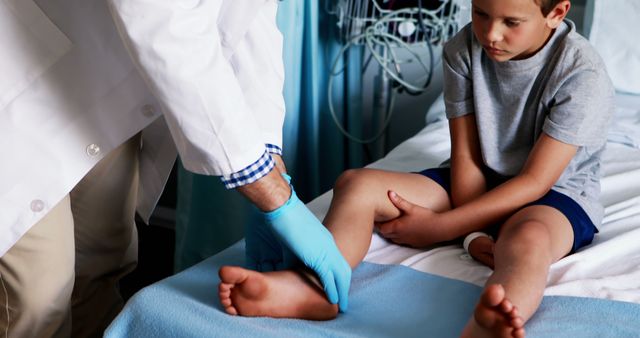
(558, 13)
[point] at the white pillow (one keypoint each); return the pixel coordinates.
(615, 33)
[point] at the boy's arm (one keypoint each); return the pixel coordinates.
(543, 168)
(467, 180)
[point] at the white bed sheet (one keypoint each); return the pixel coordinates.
(609, 268)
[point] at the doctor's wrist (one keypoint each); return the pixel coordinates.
(279, 163)
(269, 192)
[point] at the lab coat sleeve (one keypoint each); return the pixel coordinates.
(186, 60)
(262, 78)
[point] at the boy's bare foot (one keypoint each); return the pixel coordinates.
(280, 294)
(495, 316)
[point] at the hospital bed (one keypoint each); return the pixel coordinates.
(405, 292)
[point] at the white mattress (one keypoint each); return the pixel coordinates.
(609, 268)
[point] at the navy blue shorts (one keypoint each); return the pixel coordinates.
(583, 227)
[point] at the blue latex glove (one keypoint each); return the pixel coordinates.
(263, 251)
(299, 230)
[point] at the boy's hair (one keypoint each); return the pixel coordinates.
(547, 5)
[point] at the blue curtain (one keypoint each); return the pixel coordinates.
(210, 218)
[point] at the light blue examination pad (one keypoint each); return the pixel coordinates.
(385, 301)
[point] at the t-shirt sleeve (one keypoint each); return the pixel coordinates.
(458, 89)
(581, 109)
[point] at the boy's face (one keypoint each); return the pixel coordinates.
(513, 29)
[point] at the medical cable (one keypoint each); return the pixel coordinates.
(376, 35)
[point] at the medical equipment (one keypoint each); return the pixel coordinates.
(386, 27)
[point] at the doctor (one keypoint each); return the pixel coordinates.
(216, 68)
(85, 145)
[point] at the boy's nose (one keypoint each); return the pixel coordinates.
(493, 33)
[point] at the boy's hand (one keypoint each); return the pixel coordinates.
(416, 226)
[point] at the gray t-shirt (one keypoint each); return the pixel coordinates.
(563, 90)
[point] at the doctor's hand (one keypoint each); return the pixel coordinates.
(416, 226)
(263, 251)
(300, 231)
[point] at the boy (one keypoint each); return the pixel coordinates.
(527, 100)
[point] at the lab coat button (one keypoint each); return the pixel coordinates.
(147, 110)
(93, 150)
(189, 4)
(37, 205)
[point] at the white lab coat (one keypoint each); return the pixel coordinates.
(72, 95)
(216, 67)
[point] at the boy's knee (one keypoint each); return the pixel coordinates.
(350, 178)
(527, 237)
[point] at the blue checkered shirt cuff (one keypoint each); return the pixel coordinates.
(250, 174)
(274, 149)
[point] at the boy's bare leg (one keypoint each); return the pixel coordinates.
(529, 242)
(360, 198)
